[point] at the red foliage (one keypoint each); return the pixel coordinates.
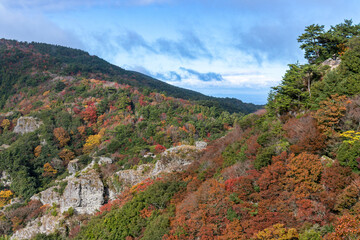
(311, 211)
(304, 135)
(243, 186)
(197, 218)
(74, 231)
(252, 146)
(89, 114)
(108, 206)
(142, 186)
(159, 149)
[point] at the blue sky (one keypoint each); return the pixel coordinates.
(228, 48)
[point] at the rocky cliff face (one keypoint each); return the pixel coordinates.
(84, 194)
(84, 190)
(26, 125)
(46, 224)
(175, 159)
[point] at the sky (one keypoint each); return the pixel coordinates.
(222, 48)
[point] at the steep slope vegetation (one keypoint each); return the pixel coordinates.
(289, 173)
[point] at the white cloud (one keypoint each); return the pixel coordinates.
(27, 26)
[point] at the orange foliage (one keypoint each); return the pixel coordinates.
(142, 186)
(330, 113)
(196, 216)
(62, 136)
(37, 151)
(81, 130)
(347, 227)
(233, 231)
(146, 212)
(303, 174)
(49, 171)
(66, 155)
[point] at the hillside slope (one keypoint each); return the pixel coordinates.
(25, 63)
(86, 158)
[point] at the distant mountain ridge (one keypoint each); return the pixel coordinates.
(31, 59)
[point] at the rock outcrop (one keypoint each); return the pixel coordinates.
(84, 190)
(73, 166)
(49, 196)
(26, 125)
(84, 194)
(172, 160)
(5, 179)
(46, 224)
(333, 63)
(4, 147)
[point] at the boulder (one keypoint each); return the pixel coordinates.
(105, 160)
(200, 145)
(5, 179)
(26, 125)
(4, 147)
(73, 166)
(49, 196)
(84, 194)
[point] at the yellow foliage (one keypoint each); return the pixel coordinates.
(351, 136)
(5, 196)
(46, 93)
(277, 232)
(5, 124)
(102, 132)
(91, 142)
(49, 171)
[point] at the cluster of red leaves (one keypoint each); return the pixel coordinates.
(159, 148)
(142, 186)
(304, 135)
(89, 114)
(108, 206)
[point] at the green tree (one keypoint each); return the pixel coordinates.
(311, 43)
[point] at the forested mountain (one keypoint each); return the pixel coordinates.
(86, 157)
(31, 63)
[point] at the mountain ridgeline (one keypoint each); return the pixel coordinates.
(19, 59)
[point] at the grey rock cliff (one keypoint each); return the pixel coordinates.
(46, 224)
(84, 194)
(26, 125)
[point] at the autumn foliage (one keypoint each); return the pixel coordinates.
(304, 135)
(5, 196)
(62, 136)
(49, 171)
(330, 113)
